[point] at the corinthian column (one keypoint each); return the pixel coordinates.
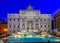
(34, 24)
(25, 24)
(39, 23)
(20, 24)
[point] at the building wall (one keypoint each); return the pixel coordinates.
(45, 22)
(13, 23)
(3, 27)
(1, 22)
(16, 25)
(30, 20)
(57, 21)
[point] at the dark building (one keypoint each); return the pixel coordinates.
(1, 22)
(57, 21)
(3, 27)
(52, 24)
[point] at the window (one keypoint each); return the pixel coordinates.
(41, 26)
(18, 19)
(14, 26)
(14, 31)
(44, 19)
(36, 24)
(18, 26)
(25, 18)
(32, 27)
(45, 26)
(10, 19)
(48, 15)
(54, 27)
(27, 27)
(10, 26)
(48, 25)
(14, 19)
(40, 19)
(36, 20)
(58, 26)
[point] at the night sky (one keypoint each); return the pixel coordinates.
(13, 6)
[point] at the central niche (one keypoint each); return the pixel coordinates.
(30, 24)
(30, 21)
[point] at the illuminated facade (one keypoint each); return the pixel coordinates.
(29, 20)
(1, 22)
(3, 27)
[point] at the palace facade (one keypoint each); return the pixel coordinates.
(29, 20)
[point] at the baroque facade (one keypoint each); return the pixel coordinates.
(29, 20)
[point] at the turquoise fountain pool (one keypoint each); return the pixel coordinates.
(35, 39)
